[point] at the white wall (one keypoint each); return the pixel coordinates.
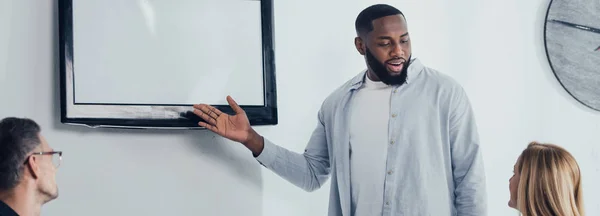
(126, 172)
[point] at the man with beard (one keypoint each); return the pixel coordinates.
(27, 168)
(398, 139)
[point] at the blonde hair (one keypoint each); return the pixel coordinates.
(550, 182)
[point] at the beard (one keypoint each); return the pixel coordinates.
(383, 73)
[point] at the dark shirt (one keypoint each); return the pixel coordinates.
(6, 210)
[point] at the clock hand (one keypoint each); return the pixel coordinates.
(573, 25)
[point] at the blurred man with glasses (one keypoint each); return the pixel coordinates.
(27, 168)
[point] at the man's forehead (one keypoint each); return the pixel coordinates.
(392, 23)
(43, 142)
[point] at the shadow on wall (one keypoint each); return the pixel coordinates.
(543, 59)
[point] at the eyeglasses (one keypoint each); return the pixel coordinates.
(56, 156)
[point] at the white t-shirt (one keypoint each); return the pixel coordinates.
(370, 111)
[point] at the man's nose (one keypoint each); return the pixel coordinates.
(397, 51)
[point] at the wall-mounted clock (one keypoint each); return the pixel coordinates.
(572, 41)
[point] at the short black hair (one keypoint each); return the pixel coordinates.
(364, 20)
(18, 137)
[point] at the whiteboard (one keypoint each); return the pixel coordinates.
(143, 63)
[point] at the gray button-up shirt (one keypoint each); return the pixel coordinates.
(434, 156)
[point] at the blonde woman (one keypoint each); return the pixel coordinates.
(546, 182)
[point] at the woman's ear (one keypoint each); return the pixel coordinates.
(360, 46)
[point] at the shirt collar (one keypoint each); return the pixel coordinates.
(6, 210)
(414, 68)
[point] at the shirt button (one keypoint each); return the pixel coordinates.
(395, 90)
(392, 142)
(390, 172)
(393, 115)
(387, 203)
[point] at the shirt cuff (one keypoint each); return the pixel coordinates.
(268, 154)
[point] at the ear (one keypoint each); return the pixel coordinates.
(360, 46)
(33, 166)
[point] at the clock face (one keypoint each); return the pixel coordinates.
(572, 39)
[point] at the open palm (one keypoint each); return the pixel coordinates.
(234, 127)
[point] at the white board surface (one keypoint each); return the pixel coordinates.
(167, 51)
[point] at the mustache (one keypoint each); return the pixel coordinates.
(397, 58)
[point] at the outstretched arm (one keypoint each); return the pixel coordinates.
(308, 170)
